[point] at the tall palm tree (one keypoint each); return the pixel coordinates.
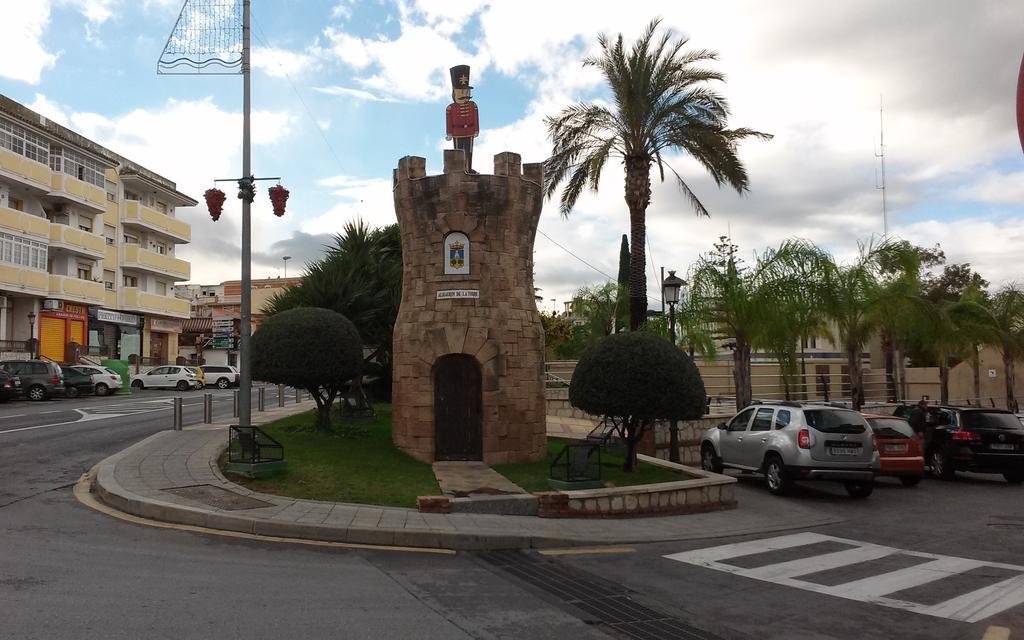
(662, 103)
(1007, 309)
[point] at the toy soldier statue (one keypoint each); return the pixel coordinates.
(462, 118)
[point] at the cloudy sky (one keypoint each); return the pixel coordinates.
(342, 90)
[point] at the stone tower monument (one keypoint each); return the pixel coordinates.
(469, 346)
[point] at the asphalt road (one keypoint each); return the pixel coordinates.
(67, 571)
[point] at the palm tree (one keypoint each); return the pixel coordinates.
(662, 102)
(1007, 310)
(857, 297)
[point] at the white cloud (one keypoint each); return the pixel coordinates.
(369, 199)
(995, 188)
(358, 94)
(279, 63)
(49, 108)
(22, 53)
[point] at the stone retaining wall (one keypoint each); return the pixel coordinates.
(705, 492)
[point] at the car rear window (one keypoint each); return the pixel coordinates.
(215, 369)
(986, 420)
(113, 373)
(891, 428)
(834, 420)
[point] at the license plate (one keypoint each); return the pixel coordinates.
(844, 451)
(895, 448)
(1002, 447)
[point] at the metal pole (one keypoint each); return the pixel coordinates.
(673, 427)
(261, 399)
(177, 414)
(298, 396)
(234, 408)
(280, 395)
(245, 375)
(207, 408)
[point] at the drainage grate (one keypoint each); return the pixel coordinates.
(605, 601)
(218, 497)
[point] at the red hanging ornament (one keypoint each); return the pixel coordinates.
(278, 197)
(215, 202)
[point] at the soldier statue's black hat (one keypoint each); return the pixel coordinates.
(460, 76)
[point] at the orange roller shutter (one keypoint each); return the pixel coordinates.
(51, 338)
(77, 331)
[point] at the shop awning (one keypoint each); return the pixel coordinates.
(197, 325)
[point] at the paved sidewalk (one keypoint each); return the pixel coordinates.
(173, 476)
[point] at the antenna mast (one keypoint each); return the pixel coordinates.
(881, 155)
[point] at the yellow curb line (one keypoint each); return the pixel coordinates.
(84, 496)
(996, 633)
(579, 551)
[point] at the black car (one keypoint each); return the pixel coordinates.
(973, 439)
(10, 386)
(75, 382)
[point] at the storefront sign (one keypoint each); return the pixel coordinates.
(448, 294)
(69, 312)
(160, 325)
(117, 317)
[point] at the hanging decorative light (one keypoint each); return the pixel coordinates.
(278, 197)
(215, 202)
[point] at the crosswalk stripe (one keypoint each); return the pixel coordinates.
(805, 566)
(967, 607)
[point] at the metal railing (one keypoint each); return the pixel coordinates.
(252, 445)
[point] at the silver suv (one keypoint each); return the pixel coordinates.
(789, 441)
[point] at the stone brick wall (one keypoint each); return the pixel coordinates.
(501, 329)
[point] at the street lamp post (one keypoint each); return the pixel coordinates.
(32, 332)
(554, 308)
(286, 259)
(670, 291)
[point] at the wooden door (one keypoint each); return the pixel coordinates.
(458, 428)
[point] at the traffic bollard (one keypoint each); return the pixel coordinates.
(261, 399)
(280, 395)
(207, 408)
(298, 396)
(177, 414)
(234, 408)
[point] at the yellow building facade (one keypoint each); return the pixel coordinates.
(88, 243)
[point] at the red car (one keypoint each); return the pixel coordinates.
(899, 449)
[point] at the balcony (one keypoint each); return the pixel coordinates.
(25, 223)
(142, 302)
(135, 257)
(22, 279)
(20, 168)
(77, 241)
(138, 215)
(70, 189)
(76, 290)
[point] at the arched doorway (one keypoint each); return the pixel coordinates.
(458, 426)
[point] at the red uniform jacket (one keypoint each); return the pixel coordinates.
(463, 120)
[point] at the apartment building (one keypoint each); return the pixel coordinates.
(87, 246)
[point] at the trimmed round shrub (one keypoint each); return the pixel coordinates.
(637, 375)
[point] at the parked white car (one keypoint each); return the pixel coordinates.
(223, 376)
(172, 377)
(107, 381)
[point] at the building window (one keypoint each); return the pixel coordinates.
(809, 343)
(16, 204)
(22, 252)
(130, 281)
(111, 191)
(78, 165)
(85, 224)
(108, 279)
(161, 288)
(130, 239)
(23, 142)
(160, 248)
(110, 233)
(84, 271)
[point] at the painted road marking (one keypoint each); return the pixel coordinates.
(580, 551)
(972, 606)
(15, 415)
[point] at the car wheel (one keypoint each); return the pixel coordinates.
(860, 488)
(942, 466)
(223, 383)
(777, 476)
(910, 481)
(707, 460)
(37, 392)
(102, 389)
(1014, 477)
(137, 384)
(182, 385)
(72, 392)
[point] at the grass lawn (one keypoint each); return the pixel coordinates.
(364, 468)
(533, 476)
